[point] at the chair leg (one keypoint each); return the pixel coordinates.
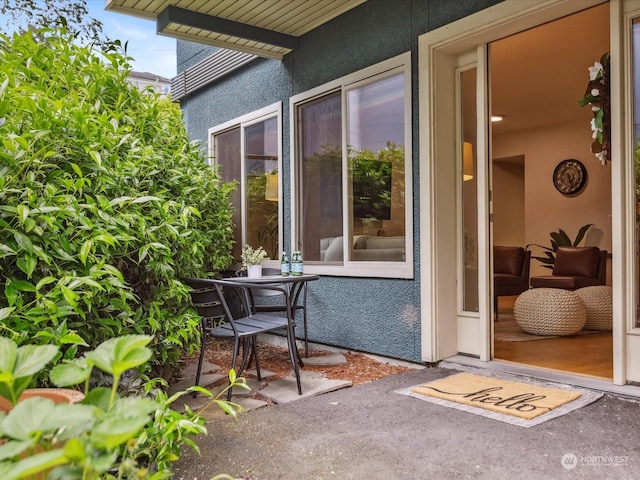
(304, 321)
(294, 311)
(300, 361)
(293, 328)
(250, 348)
(248, 351)
(234, 358)
(293, 356)
(201, 357)
(254, 354)
(306, 336)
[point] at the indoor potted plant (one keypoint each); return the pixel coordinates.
(559, 239)
(252, 260)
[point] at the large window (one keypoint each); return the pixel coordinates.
(248, 152)
(352, 162)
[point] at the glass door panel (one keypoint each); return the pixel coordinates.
(469, 190)
(261, 177)
(636, 151)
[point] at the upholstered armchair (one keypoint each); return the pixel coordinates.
(575, 267)
(510, 272)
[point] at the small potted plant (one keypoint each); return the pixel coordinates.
(252, 260)
(98, 434)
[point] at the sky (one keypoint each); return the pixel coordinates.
(152, 53)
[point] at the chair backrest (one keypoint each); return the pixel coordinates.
(215, 302)
(511, 260)
(588, 262)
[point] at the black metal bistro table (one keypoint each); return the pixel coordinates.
(294, 285)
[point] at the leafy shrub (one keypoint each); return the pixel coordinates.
(104, 436)
(104, 202)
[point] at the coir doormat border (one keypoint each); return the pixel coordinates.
(586, 397)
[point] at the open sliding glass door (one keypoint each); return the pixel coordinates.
(454, 212)
(449, 323)
(473, 307)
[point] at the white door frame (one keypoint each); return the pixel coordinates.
(626, 336)
(437, 54)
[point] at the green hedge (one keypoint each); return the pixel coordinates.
(104, 202)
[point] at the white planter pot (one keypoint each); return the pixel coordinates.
(254, 271)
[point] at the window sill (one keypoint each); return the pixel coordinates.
(399, 270)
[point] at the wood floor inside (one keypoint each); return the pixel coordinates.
(584, 354)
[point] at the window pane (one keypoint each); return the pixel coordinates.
(320, 140)
(376, 129)
(259, 185)
(261, 169)
(469, 182)
(227, 155)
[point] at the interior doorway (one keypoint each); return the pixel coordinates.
(508, 200)
(536, 79)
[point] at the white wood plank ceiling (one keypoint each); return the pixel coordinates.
(267, 28)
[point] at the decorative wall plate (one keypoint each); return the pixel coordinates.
(569, 176)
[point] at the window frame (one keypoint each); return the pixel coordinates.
(266, 113)
(351, 268)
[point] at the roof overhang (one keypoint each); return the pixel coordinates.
(267, 28)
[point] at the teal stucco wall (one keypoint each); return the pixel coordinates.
(375, 315)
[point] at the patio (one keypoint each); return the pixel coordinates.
(369, 431)
(326, 369)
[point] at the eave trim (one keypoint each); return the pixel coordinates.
(210, 23)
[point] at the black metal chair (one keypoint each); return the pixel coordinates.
(239, 323)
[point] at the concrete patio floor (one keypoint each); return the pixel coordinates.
(371, 432)
(278, 391)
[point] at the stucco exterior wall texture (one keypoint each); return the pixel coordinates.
(380, 316)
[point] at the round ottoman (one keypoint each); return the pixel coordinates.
(599, 302)
(550, 311)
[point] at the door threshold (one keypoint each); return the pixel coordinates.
(591, 382)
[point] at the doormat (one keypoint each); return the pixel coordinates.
(509, 401)
(507, 330)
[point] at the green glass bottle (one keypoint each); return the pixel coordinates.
(296, 264)
(285, 266)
